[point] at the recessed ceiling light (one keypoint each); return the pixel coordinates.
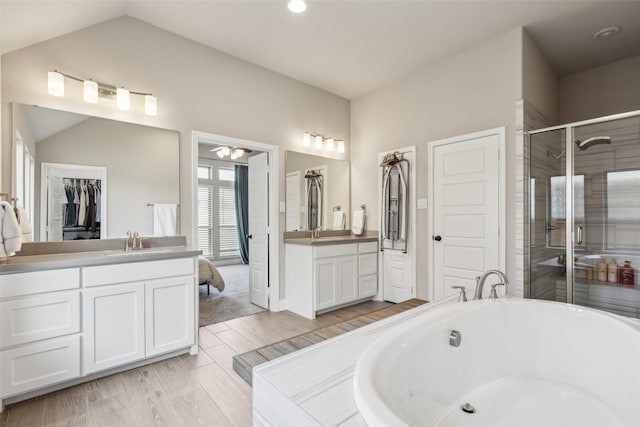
(605, 33)
(297, 6)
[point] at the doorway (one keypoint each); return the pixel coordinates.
(260, 275)
(467, 215)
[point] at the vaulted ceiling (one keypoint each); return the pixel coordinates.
(348, 48)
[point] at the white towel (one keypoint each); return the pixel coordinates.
(10, 241)
(25, 226)
(164, 219)
(338, 220)
(357, 225)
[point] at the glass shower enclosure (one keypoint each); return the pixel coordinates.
(584, 212)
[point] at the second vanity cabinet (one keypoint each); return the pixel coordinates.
(328, 276)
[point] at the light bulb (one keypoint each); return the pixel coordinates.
(150, 105)
(340, 146)
(122, 99)
(330, 144)
(55, 82)
(225, 151)
(238, 152)
(306, 139)
(220, 154)
(297, 6)
(319, 142)
(91, 91)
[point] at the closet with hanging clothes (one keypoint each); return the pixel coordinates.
(82, 209)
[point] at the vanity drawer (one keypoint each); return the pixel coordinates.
(39, 317)
(38, 365)
(335, 250)
(367, 264)
(136, 271)
(367, 247)
(38, 282)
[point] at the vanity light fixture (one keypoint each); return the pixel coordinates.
(330, 144)
(320, 142)
(92, 90)
(297, 6)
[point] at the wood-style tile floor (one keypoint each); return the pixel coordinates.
(201, 390)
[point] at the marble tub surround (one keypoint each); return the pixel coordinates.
(328, 237)
(314, 386)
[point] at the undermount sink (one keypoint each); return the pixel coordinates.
(137, 252)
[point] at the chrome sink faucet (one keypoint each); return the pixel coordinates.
(315, 233)
(481, 279)
(128, 245)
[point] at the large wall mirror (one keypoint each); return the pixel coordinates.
(124, 168)
(317, 192)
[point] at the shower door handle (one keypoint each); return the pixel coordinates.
(579, 237)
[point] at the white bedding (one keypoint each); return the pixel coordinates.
(208, 273)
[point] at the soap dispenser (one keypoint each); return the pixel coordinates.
(602, 270)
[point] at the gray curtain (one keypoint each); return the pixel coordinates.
(241, 187)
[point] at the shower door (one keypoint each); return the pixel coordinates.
(589, 224)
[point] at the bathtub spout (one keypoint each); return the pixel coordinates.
(481, 279)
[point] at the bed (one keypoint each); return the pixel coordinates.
(208, 275)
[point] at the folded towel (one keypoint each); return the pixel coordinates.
(164, 219)
(10, 241)
(338, 220)
(359, 219)
(25, 226)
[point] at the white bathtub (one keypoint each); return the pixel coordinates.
(520, 363)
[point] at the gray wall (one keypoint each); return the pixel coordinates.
(474, 90)
(609, 89)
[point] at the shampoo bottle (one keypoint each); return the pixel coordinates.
(626, 274)
(602, 270)
(612, 271)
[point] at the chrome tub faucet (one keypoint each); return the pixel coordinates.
(481, 279)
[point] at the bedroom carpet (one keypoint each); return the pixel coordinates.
(232, 302)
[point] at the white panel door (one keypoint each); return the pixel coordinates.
(113, 324)
(397, 266)
(258, 229)
(466, 211)
(169, 314)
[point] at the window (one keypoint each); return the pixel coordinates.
(217, 226)
(622, 216)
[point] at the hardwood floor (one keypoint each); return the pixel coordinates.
(201, 390)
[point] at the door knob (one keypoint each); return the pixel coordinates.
(249, 236)
(437, 238)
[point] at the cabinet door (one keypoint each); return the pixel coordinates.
(113, 326)
(39, 364)
(326, 281)
(169, 314)
(367, 286)
(347, 279)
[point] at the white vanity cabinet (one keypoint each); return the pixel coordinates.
(324, 277)
(39, 329)
(60, 325)
(133, 311)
